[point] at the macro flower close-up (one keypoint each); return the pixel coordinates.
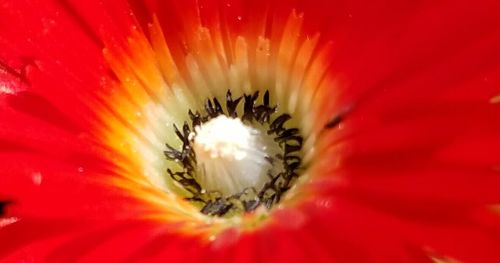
(249, 131)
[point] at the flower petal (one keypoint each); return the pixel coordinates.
(407, 172)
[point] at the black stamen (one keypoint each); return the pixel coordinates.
(263, 113)
(277, 125)
(231, 105)
(218, 107)
(186, 181)
(292, 140)
(292, 162)
(288, 133)
(292, 148)
(266, 98)
(248, 106)
(195, 118)
(219, 207)
(210, 109)
(182, 136)
(172, 154)
(251, 205)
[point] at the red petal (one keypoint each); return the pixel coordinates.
(421, 141)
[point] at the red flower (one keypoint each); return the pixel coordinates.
(374, 136)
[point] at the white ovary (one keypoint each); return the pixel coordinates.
(231, 156)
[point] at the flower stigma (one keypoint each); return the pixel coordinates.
(230, 155)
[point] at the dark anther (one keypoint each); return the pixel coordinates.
(291, 148)
(218, 107)
(186, 181)
(287, 133)
(210, 109)
(266, 98)
(288, 136)
(176, 175)
(231, 105)
(248, 106)
(269, 201)
(178, 133)
(277, 125)
(186, 154)
(291, 140)
(191, 185)
(250, 205)
(292, 162)
(185, 133)
(218, 207)
(184, 136)
(195, 118)
(280, 183)
(263, 113)
(172, 154)
(196, 198)
(269, 186)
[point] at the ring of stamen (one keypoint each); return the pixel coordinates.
(237, 184)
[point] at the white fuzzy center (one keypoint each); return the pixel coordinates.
(231, 156)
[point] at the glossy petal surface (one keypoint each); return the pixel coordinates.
(406, 169)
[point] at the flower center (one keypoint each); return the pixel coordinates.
(231, 156)
(236, 159)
